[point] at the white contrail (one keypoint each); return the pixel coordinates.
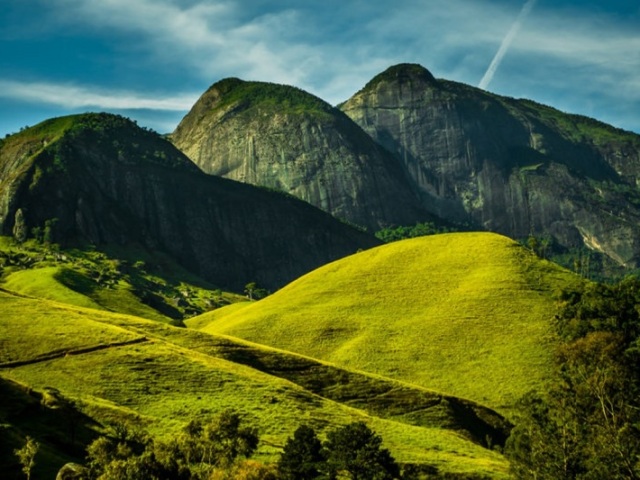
(506, 43)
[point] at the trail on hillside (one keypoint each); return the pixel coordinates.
(67, 352)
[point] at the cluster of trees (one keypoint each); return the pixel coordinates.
(354, 451)
(221, 449)
(418, 230)
(198, 452)
(254, 291)
(45, 234)
(587, 423)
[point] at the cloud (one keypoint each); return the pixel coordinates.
(207, 37)
(333, 48)
(73, 96)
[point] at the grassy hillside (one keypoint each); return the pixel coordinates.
(466, 314)
(127, 280)
(121, 368)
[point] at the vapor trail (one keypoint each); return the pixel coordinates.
(506, 43)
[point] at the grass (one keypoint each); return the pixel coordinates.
(159, 377)
(42, 282)
(128, 280)
(32, 328)
(466, 314)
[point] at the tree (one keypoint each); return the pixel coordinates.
(254, 292)
(225, 439)
(302, 456)
(587, 424)
(356, 451)
(27, 455)
(48, 235)
(249, 288)
(532, 243)
(20, 229)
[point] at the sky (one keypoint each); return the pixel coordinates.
(150, 60)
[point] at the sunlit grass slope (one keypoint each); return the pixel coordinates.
(122, 368)
(49, 283)
(467, 314)
(128, 280)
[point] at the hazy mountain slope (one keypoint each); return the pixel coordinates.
(283, 138)
(121, 368)
(99, 179)
(466, 314)
(505, 165)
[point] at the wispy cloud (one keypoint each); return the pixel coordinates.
(208, 37)
(72, 96)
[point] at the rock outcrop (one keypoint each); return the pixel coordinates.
(505, 165)
(286, 139)
(98, 178)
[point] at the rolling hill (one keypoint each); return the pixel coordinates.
(56, 359)
(131, 280)
(467, 314)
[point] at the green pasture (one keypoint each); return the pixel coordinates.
(466, 314)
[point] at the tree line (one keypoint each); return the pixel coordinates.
(586, 425)
(221, 449)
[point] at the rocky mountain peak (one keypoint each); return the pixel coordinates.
(240, 95)
(284, 138)
(506, 165)
(403, 84)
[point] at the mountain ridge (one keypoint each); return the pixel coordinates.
(454, 154)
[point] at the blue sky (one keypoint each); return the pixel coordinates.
(151, 59)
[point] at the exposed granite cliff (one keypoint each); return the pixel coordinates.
(105, 180)
(505, 165)
(283, 138)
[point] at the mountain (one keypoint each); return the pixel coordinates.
(441, 151)
(100, 179)
(284, 138)
(467, 314)
(509, 166)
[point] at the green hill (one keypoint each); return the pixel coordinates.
(130, 280)
(119, 368)
(466, 314)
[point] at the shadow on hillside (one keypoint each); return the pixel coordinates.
(52, 420)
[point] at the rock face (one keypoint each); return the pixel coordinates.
(98, 178)
(504, 165)
(286, 139)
